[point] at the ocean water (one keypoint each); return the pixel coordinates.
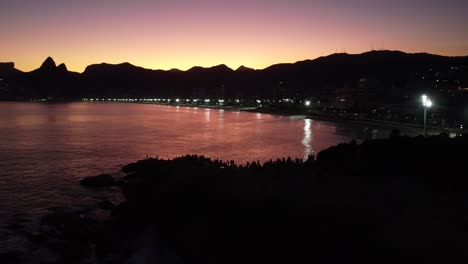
(45, 149)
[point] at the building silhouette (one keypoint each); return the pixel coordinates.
(365, 94)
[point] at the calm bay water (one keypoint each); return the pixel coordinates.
(45, 149)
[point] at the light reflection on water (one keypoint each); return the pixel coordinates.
(47, 148)
(306, 141)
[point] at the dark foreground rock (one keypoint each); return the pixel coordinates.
(382, 201)
(106, 205)
(102, 180)
(11, 257)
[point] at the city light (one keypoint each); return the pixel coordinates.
(427, 103)
(307, 103)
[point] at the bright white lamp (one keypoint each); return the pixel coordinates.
(426, 104)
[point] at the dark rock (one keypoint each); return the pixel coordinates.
(6, 67)
(74, 253)
(102, 180)
(11, 257)
(106, 205)
(120, 182)
(64, 218)
(15, 226)
(41, 255)
(35, 237)
(70, 226)
(76, 210)
(59, 218)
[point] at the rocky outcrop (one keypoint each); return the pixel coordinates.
(6, 66)
(102, 180)
(377, 201)
(356, 202)
(48, 64)
(7, 69)
(62, 68)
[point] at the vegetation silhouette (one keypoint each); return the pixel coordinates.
(385, 200)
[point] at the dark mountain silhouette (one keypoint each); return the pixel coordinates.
(8, 69)
(49, 80)
(48, 65)
(218, 69)
(242, 68)
(62, 67)
(321, 77)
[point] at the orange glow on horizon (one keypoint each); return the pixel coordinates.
(256, 34)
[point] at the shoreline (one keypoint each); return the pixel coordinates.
(302, 115)
(313, 116)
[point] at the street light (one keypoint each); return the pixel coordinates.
(426, 104)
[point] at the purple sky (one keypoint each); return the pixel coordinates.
(256, 33)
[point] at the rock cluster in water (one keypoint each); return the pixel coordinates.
(102, 180)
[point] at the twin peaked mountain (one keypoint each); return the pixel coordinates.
(49, 65)
(393, 70)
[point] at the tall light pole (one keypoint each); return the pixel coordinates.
(426, 104)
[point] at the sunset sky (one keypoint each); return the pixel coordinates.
(180, 34)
